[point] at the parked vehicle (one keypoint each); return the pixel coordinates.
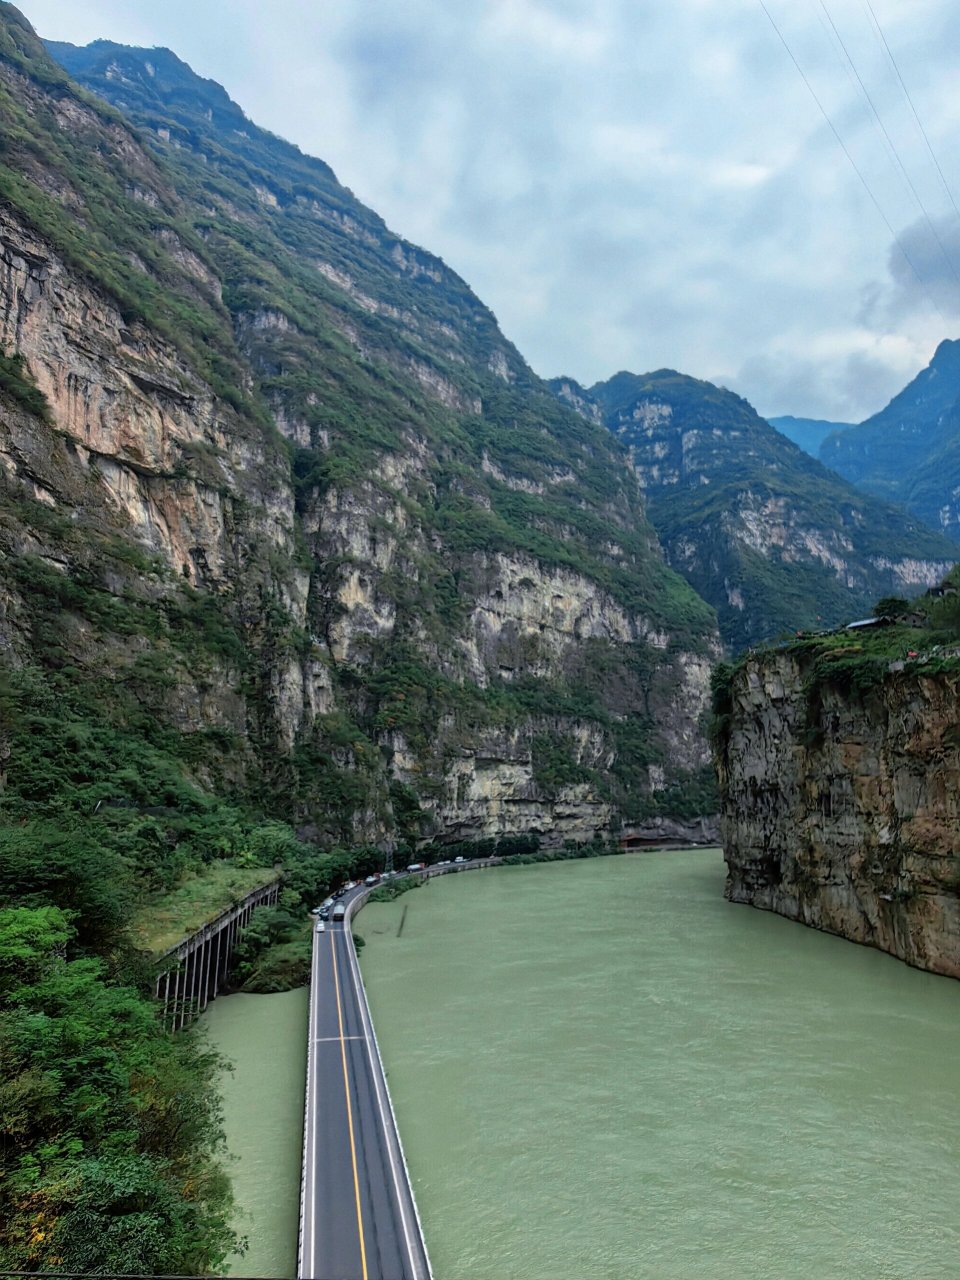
(372, 880)
(417, 866)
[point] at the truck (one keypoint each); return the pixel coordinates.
(339, 912)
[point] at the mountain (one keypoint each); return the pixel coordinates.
(807, 433)
(769, 536)
(299, 564)
(909, 452)
(293, 494)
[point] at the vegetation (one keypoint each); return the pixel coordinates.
(782, 575)
(147, 776)
(111, 1128)
(908, 452)
(16, 384)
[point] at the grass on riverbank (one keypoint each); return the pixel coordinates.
(161, 924)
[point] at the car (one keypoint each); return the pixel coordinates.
(459, 858)
(371, 880)
(321, 927)
(327, 902)
(315, 911)
(417, 866)
(324, 913)
(444, 863)
(351, 884)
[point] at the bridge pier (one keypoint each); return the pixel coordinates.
(193, 969)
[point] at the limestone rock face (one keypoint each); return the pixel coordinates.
(169, 457)
(841, 810)
(274, 482)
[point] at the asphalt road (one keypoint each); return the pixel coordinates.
(358, 1217)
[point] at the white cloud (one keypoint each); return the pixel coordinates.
(625, 185)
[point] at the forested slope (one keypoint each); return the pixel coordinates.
(298, 561)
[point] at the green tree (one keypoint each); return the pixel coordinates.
(109, 1127)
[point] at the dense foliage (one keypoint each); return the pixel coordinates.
(110, 1125)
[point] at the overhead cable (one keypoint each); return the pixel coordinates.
(892, 145)
(916, 114)
(853, 164)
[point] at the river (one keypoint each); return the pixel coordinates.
(601, 1069)
(265, 1037)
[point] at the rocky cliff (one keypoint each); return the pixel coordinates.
(772, 539)
(275, 486)
(840, 777)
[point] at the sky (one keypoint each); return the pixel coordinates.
(630, 184)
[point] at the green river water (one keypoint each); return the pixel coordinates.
(602, 1070)
(265, 1037)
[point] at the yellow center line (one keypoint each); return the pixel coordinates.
(346, 1090)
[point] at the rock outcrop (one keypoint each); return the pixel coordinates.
(841, 798)
(295, 501)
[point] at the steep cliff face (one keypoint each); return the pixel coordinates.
(297, 501)
(772, 539)
(840, 795)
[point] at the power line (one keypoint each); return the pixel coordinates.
(916, 115)
(853, 164)
(896, 155)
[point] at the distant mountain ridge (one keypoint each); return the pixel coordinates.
(807, 434)
(909, 452)
(774, 540)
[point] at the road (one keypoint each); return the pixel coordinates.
(358, 1218)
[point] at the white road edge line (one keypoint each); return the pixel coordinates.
(308, 1235)
(381, 1086)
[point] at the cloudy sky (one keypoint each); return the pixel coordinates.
(630, 183)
